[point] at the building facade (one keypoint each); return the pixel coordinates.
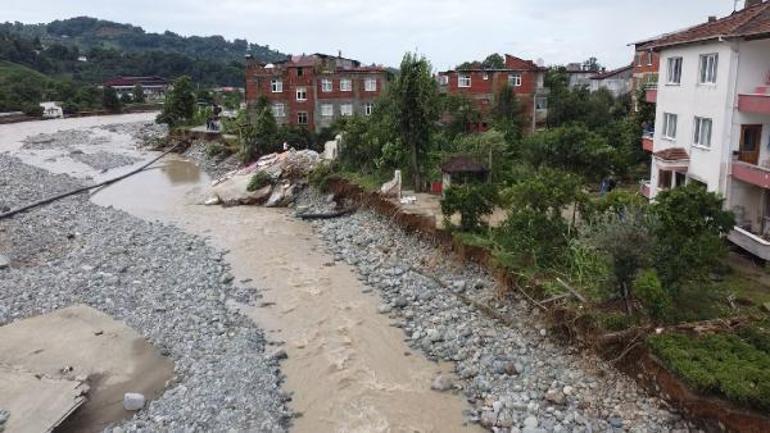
(712, 122)
(618, 81)
(154, 87)
(312, 91)
(482, 85)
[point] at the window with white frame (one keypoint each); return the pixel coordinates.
(327, 85)
(302, 118)
(638, 59)
(541, 103)
(346, 109)
(279, 110)
(368, 109)
(514, 80)
(708, 68)
(443, 80)
(649, 58)
(301, 94)
(370, 85)
(346, 85)
(464, 80)
(485, 77)
(276, 85)
(327, 110)
(674, 70)
(702, 136)
(669, 125)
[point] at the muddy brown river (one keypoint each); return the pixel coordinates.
(349, 370)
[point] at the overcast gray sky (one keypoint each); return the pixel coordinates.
(446, 31)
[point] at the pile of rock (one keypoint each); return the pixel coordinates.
(286, 171)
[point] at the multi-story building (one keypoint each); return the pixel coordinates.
(713, 117)
(154, 87)
(482, 85)
(645, 73)
(616, 81)
(313, 90)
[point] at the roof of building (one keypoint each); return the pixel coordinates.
(609, 74)
(132, 81)
(752, 22)
(315, 59)
(672, 154)
(462, 164)
(512, 64)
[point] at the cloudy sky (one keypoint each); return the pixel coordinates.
(446, 31)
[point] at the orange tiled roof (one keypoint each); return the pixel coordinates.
(753, 21)
(672, 154)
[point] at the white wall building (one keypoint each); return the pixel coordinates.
(713, 117)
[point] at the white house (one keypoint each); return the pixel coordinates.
(52, 110)
(713, 117)
(616, 81)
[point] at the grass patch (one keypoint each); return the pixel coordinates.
(725, 365)
(369, 182)
(259, 181)
(474, 240)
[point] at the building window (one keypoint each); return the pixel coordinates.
(327, 85)
(346, 85)
(669, 126)
(327, 110)
(346, 109)
(486, 76)
(368, 109)
(702, 132)
(279, 110)
(302, 118)
(370, 85)
(301, 94)
(708, 68)
(276, 85)
(514, 80)
(649, 58)
(464, 80)
(541, 103)
(638, 59)
(443, 80)
(300, 72)
(674, 72)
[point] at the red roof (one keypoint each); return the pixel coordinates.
(133, 81)
(672, 154)
(751, 22)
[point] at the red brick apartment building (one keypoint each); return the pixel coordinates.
(314, 90)
(645, 76)
(483, 85)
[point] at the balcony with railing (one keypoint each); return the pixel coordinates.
(757, 102)
(647, 139)
(651, 93)
(750, 242)
(751, 173)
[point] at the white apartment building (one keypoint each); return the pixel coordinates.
(713, 117)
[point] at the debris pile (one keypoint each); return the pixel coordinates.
(285, 173)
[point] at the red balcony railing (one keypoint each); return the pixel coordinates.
(753, 174)
(647, 140)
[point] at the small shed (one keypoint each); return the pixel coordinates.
(462, 169)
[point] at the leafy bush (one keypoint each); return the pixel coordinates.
(319, 178)
(472, 201)
(626, 238)
(572, 148)
(260, 180)
(689, 224)
(215, 149)
(718, 364)
(647, 287)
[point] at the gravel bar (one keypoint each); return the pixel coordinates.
(168, 285)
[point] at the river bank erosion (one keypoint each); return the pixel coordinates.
(273, 324)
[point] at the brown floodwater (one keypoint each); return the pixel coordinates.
(349, 370)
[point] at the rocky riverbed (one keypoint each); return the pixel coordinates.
(170, 286)
(517, 378)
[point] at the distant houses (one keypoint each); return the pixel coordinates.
(482, 85)
(154, 87)
(313, 90)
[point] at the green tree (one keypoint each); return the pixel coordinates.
(414, 99)
(111, 101)
(261, 134)
(459, 113)
(138, 94)
(493, 61)
(472, 201)
(179, 106)
(507, 113)
(572, 148)
(689, 225)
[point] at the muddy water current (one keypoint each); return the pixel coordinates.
(348, 369)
